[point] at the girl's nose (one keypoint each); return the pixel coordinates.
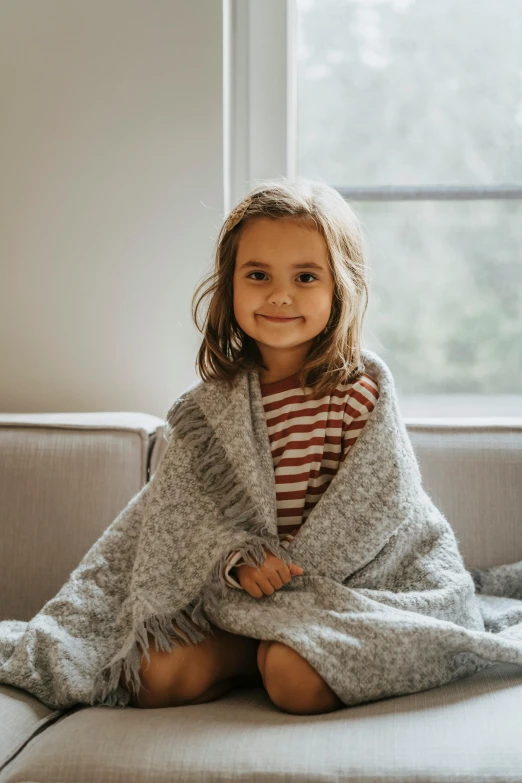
(280, 298)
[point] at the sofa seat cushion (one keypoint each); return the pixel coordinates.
(468, 730)
(22, 716)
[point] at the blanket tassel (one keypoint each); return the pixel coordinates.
(191, 621)
(216, 474)
(218, 479)
(107, 690)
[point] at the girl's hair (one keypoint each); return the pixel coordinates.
(335, 355)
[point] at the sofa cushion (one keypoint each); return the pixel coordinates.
(469, 730)
(472, 470)
(64, 478)
(21, 717)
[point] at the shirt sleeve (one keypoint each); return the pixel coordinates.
(234, 559)
(359, 405)
(287, 538)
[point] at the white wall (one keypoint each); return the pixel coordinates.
(111, 196)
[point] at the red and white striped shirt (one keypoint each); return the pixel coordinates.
(309, 439)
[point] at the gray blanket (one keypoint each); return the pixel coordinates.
(385, 605)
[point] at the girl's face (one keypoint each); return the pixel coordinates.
(282, 270)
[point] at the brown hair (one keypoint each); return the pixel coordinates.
(335, 356)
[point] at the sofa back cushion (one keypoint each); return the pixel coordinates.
(472, 470)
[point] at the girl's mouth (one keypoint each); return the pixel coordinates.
(279, 320)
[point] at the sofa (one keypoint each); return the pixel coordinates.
(65, 477)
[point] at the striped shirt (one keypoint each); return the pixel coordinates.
(309, 439)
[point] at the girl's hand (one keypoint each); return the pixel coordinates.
(268, 577)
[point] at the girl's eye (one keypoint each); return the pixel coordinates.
(303, 274)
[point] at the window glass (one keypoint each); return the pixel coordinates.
(409, 92)
(394, 93)
(446, 294)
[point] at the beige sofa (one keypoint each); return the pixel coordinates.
(65, 477)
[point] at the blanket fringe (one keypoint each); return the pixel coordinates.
(216, 474)
(217, 477)
(107, 690)
(213, 467)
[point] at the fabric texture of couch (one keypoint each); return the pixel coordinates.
(64, 478)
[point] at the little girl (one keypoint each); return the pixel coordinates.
(286, 298)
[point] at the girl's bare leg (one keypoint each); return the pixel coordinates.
(217, 690)
(196, 672)
(264, 644)
(251, 678)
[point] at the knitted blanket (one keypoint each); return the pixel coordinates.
(385, 606)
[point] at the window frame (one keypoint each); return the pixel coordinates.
(259, 89)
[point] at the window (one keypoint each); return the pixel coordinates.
(413, 111)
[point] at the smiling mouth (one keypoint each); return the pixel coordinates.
(277, 318)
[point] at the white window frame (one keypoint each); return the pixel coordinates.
(259, 89)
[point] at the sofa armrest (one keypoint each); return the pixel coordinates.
(64, 477)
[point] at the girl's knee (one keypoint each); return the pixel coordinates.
(170, 679)
(261, 657)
